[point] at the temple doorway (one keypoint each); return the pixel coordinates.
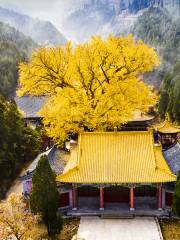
(146, 198)
(88, 197)
(116, 197)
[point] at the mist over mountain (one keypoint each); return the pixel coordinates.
(15, 47)
(103, 17)
(157, 22)
(42, 32)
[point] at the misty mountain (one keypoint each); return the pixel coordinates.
(11, 35)
(89, 17)
(101, 17)
(15, 47)
(42, 32)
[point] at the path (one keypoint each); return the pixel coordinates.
(139, 228)
(17, 186)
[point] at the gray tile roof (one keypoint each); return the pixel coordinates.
(56, 160)
(30, 106)
(172, 156)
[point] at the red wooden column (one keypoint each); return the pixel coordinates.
(74, 207)
(101, 191)
(160, 197)
(131, 198)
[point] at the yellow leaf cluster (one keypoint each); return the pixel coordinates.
(16, 223)
(92, 86)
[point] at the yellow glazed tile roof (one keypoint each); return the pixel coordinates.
(117, 157)
(166, 127)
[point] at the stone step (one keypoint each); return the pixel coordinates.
(117, 216)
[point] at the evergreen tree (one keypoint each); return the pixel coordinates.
(170, 94)
(44, 197)
(163, 103)
(176, 198)
(176, 106)
(18, 144)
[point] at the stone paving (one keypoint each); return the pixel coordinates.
(139, 228)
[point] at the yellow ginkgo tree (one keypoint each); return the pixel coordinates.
(92, 86)
(16, 223)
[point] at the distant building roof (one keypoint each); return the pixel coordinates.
(117, 157)
(172, 156)
(139, 116)
(167, 127)
(57, 159)
(29, 171)
(30, 106)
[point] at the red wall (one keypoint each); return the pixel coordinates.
(63, 200)
(168, 199)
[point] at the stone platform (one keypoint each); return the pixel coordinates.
(118, 213)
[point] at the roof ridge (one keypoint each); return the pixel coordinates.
(167, 170)
(113, 132)
(152, 148)
(79, 150)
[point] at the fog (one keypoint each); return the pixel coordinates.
(78, 27)
(52, 10)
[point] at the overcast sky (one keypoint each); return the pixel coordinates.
(53, 10)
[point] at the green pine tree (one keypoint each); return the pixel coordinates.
(176, 198)
(19, 144)
(163, 103)
(44, 197)
(176, 106)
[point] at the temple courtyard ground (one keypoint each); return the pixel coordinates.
(139, 228)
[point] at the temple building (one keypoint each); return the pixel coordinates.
(122, 168)
(167, 134)
(130, 170)
(29, 106)
(121, 171)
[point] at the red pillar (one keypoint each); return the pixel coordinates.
(160, 197)
(101, 189)
(74, 207)
(131, 198)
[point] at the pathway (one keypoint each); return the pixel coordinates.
(17, 186)
(139, 228)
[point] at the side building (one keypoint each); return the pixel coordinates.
(29, 106)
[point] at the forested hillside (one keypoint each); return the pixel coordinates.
(15, 47)
(162, 30)
(170, 94)
(158, 28)
(42, 32)
(18, 144)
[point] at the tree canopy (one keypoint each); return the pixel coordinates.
(16, 223)
(94, 86)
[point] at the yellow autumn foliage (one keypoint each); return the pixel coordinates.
(93, 86)
(16, 223)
